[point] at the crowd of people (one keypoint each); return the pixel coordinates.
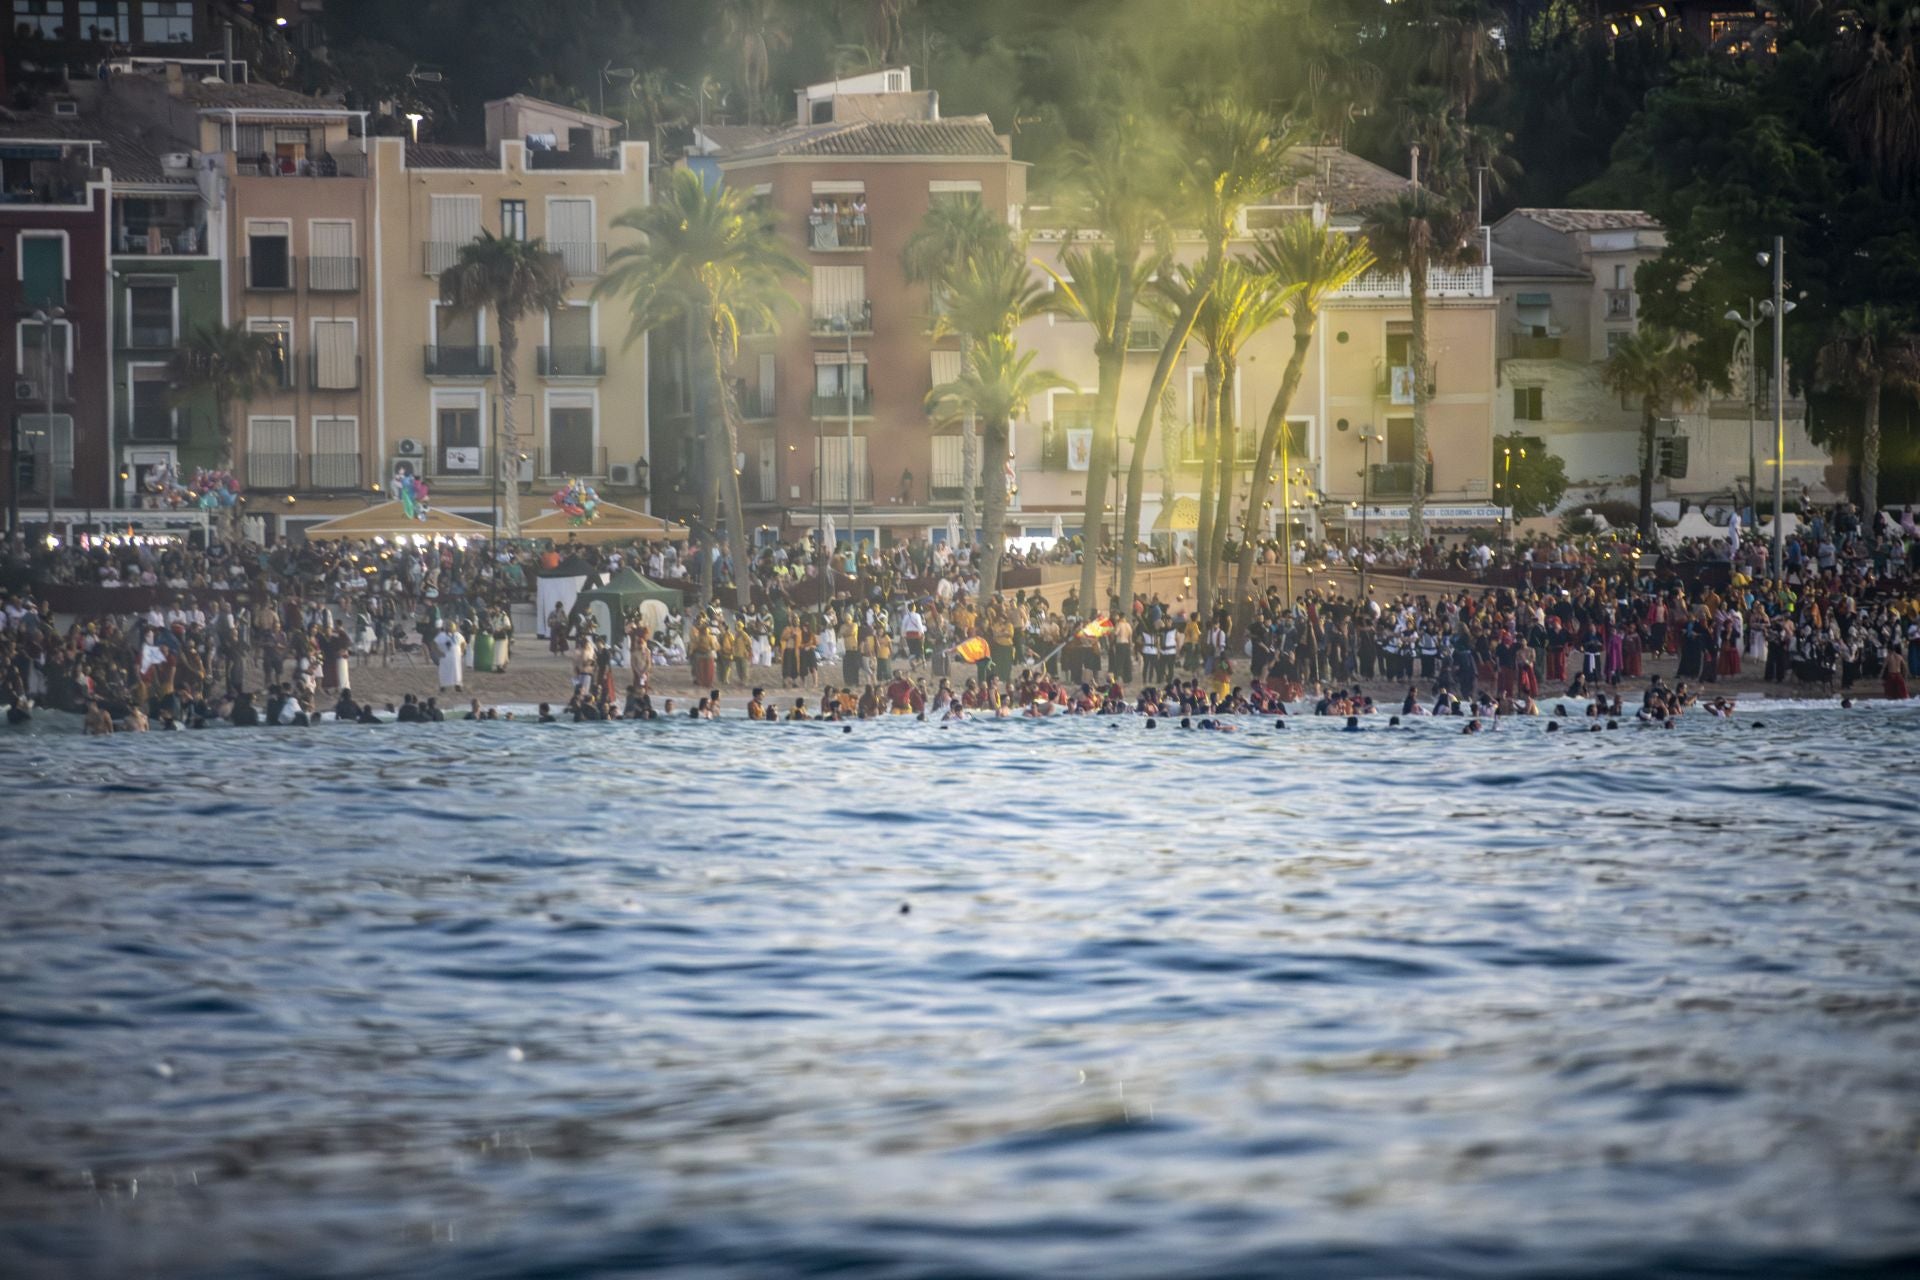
(905, 629)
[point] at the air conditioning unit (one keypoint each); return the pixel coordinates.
(24, 390)
(620, 475)
(527, 469)
(398, 467)
(407, 447)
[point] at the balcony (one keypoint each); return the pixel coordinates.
(336, 471)
(551, 463)
(1394, 383)
(335, 379)
(573, 362)
(161, 240)
(1442, 282)
(838, 405)
(148, 337)
(320, 164)
(1393, 480)
(583, 258)
(333, 275)
(854, 317)
(831, 489)
(839, 233)
(457, 463)
(268, 275)
(1619, 304)
(1536, 346)
(582, 158)
(31, 482)
(755, 404)
(272, 470)
(472, 465)
(1196, 447)
(459, 362)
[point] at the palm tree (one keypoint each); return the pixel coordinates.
(706, 260)
(998, 384)
(231, 365)
(955, 232)
(1871, 351)
(1413, 233)
(1876, 96)
(1114, 188)
(1657, 368)
(1232, 157)
(1317, 262)
(513, 279)
(1242, 302)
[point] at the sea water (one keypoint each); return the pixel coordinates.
(1072, 998)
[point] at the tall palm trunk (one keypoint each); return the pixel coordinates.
(507, 454)
(1870, 457)
(1105, 455)
(1649, 419)
(993, 440)
(724, 486)
(1226, 445)
(1209, 428)
(1143, 432)
(969, 481)
(1263, 467)
(229, 519)
(1417, 352)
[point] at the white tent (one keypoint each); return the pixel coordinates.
(1694, 524)
(1765, 531)
(559, 585)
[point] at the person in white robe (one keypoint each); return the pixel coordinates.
(453, 652)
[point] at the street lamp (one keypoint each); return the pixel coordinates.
(1367, 440)
(47, 320)
(1506, 490)
(844, 323)
(1750, 323)
(1775, 309)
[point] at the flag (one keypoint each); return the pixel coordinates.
(1097, 628)
(974, 650)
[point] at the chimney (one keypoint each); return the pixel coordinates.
(228, 28)
(176, 80)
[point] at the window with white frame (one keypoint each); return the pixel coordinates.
(32, 356)
(271, 461)
(570, 234)
(151, 414)
(152, 312)
(166, 21)
(269, 255)
(42, 269)
(456, 432)
(336, 355)
(279, 335)
(336, 453)
(44, 443)
(570, 435)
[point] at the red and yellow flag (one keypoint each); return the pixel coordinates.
(974, 650)
(1097, 628)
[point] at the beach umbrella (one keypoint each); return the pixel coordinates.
(953, 528)
(831, 534)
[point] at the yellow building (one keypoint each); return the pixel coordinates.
(549, 173)
(1352, 417)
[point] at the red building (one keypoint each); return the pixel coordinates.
(834, 403)
(56, 301)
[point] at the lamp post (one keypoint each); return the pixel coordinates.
(47, 319)
(1367, 440)
(1750, 323)
(844, 323)
(1775, 309)
(1506, 491)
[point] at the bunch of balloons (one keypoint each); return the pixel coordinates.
(217, 489)
(412, 492)
(579, 501)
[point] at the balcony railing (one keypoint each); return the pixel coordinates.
(458, 462)
(334, 471)
(832, 487)
(162, 240)
(1619, 304)
(437, 255)
(1393, 480)
(583, 258)
(36, 295)
(272, 470)
(573, 362)
(583, 158)
(755, 403)
(334, 379)
(1533, 346)
(1395, 383)
(459, 362)
(837, 405)
(333, 275)
(855, 317)
(585, 461)
(321, 164)
(148, 337)
(1196, 446)
(268, 275)
(1442, 282)
(474, 464)
(830, 233)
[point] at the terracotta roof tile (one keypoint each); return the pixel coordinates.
(968, 136)
(1576, 220)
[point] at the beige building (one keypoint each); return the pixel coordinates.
(1357, 384)
(1565, 280)
(547, 173)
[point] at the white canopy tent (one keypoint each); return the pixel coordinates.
(559, 585)
(1694, 524)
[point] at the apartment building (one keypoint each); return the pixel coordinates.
(1565, 280)
(834, 402)
(1350, 422)
(56, 304)
(549, 173)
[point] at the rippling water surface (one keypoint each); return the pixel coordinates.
(503, 1001)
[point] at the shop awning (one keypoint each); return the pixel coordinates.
(612, 523)
(390, 520)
